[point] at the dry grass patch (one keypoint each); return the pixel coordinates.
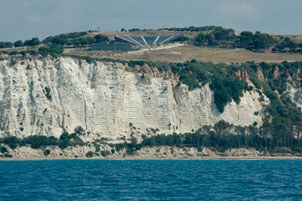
(187, 53)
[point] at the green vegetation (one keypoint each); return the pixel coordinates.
(53, 50)
(64, 39)
(89, 154)
(46, 152)
(7, 155)
(100, 38)
(221, 136)
(39, 141)
(105, 153)
(3, 149)
(6, 45)
(18, 43)
(32, 42)
(194, 29)
(222, 79)
(75, 39)
(226, 38)
(217, 36)
(227, 89)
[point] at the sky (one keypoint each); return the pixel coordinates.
(24, 19)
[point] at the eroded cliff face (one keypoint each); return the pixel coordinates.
(46, 96)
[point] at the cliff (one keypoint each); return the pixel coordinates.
(47, 96)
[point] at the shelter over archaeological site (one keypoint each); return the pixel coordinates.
(145, 41)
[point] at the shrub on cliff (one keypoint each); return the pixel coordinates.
(38, 141)
(32, 42)
(89, 154)
(6, 45)
(227, 89)
(18, 43)
(11, 141)
(105, 153)
(3, 149)
(46, 152)
(67, 139)
(7, 155)
(53, 50)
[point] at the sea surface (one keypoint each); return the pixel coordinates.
(151, 180)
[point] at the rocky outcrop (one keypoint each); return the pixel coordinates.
(47, 96)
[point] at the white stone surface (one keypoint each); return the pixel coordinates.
(104, 98)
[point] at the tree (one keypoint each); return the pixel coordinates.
(79, 130)
(200, 38)
(100, 38)
(59, 40)
(53, 50)
(246, 39)
(86, 40)
(226, 89)
(11, 141)
(18, 43)
(223, 34)
(210, 39)
(288, 43)
(6, 45)
(32, 42)
(263, 41)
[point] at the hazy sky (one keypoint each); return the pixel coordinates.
(24, 19)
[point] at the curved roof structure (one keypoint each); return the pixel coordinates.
(144, 41)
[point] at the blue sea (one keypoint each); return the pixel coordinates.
(151, 180)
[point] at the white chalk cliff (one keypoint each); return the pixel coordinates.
(46, 96)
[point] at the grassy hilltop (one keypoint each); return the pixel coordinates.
(210, 43)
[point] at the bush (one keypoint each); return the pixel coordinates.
(105, 153)
(112, 151)
(64, 39)
(53, 50)
(119, 147)
(18, 43)
(66, 140)
(12, 142)
(7, 155)
(89, 154)
(79, 130)
(6, 45)
(38, 141)
(246, 39)
(3, 149)
(32, 42)
(227, 89)
(200, 38)
(46, 152)
(262, 41)
(97, 147)
(100, 38)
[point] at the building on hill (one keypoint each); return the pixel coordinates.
(126, 43)
(145, 41)
(112, 46)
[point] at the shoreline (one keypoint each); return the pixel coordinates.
(159, 158)
(26, 153)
